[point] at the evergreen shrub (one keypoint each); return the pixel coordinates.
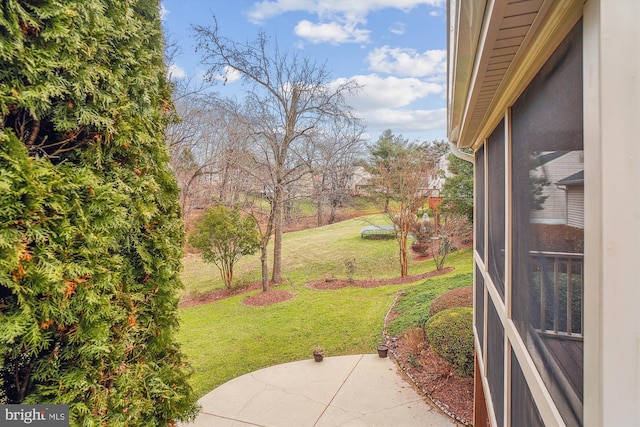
(90, 230)
(450, 334)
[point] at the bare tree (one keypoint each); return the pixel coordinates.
(289, 96)
(332, 163)
(209, 154)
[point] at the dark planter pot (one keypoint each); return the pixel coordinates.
(318, 356)
(382, 350)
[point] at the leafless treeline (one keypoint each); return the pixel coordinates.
(291, 136)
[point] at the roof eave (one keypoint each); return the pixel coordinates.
(494, 50)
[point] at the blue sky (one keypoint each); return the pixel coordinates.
(394, 48)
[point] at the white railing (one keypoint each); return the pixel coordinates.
(567, 272)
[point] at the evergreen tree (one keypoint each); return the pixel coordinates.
(90, 229)
(457, 191)
(400, 174)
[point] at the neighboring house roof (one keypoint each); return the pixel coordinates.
(543, 159)
(575, 179)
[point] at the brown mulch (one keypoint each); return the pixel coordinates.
(434, 379)
(272, 296)
(327, 284)
(217, 295)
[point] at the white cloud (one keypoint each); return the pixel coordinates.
(398, 28)
(386, 103)
(229, 76)
(332, 32)
(338, 20)
(175, 72)
(163, 12)
(408, 62)
(266, 9)
(405, 121)
(390, 92)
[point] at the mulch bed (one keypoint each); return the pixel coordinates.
(327, 284)
(272, 296)
(217, 295)
(434, 379)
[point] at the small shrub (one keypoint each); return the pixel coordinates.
(420, 248)
(460, 297)
(414, 338)
(423, 231)
(413, 361)
(350, 265)
(450, 334)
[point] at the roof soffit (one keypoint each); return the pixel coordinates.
(517, 37)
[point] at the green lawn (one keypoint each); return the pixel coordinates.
(226, 339)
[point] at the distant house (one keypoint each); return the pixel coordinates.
(439, 175)
(547, 95)
(573, 187)
(358, 180)
(553, 167)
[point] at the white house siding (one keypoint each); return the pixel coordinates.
(575, 206)
(555, 206)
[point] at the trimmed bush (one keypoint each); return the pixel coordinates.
(460, 297)
(450, 334)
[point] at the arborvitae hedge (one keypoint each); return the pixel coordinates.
(90, 232)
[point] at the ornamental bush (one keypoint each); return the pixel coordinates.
(459, 297)
(450, 335)
(90, 229)
(224, 236)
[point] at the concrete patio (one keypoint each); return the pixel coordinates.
(358, 390)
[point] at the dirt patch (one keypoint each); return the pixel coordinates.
(327, 284)
(272, 296)
(217, 295)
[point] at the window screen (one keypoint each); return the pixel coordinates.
(524, 411)
(548, 234)
(496, 201)
(495, 361)
(479, 307)
(479, 213)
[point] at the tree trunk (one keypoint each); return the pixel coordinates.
(278, 199)
(223, 185)
(320, 194)
(403, 253)
(227, 274)
(319, 208)
(334, 208)
(265, 268)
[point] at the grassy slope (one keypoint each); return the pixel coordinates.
(226, 339)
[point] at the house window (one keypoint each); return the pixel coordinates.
(547, 227)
